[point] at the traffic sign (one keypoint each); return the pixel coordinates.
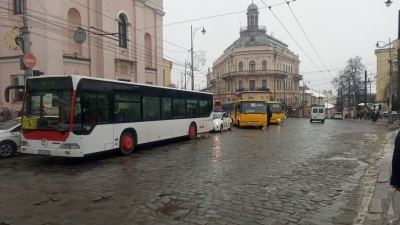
(361, 90)
(29, 60)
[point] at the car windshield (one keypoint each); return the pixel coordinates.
(217, 115)
(8, 124)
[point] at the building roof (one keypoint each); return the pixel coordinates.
(252, 7)
(315, 94)
(256, 35)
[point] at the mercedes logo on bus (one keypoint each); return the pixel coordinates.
(44, 143)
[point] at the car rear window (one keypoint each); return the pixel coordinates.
(321, 110)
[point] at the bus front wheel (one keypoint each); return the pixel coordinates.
(127, 144)
(192, 131)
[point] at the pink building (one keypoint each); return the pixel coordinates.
(123, 41)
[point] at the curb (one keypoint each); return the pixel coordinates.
(379, 205)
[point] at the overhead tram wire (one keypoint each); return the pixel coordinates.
(57, 24)
(80, 24)
(312, 46)
(270, 8)
(133, 29)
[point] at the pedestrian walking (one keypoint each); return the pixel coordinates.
(394, 191)
(269, 115)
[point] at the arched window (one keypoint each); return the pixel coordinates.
(240, 66)
(122, 35)
(252, 66)
(264, 65)
(74, 20)
(148, 50)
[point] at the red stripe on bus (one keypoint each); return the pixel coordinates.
(48, 135)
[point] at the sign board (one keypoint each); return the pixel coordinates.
(361, 90)
(80, 36)
(29, 60)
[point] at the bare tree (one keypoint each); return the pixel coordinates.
(348, 82)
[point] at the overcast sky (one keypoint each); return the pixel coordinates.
(337, 29)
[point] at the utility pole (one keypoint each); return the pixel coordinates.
(365, 96)
(354, 100)
(26, 37)
(304, 96)
(348, 100)
(185, 73)
(284, 92)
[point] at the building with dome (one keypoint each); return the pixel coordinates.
(257, 62)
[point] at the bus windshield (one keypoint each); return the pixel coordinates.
(275, 108)
(47, 110)
(253, 107)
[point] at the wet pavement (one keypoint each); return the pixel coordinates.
(295, 173)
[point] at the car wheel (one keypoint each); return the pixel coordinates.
(230, 126)
(7, 149)
(323, 121)
(127, 144)
(221, 128)
(310, 121)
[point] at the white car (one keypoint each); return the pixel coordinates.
(10, 137)
(221, 121)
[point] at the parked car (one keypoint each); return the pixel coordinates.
(10, 137)
(221, 121)
(338, 115)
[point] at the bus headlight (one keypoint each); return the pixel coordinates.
(70, 146)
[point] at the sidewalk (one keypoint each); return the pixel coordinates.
(379, 204)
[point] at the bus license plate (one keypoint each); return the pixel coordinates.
(44, 152)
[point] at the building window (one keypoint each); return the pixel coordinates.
(122, 35)
(252, 66)
(264, 65)
(17, 7)
(264, 83)
(240, 66)
(252, 85)
(240, 84)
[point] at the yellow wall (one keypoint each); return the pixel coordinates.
(382, 75)
(167, 72)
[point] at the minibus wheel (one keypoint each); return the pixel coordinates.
(127, 143)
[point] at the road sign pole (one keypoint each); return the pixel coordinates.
(26, 36)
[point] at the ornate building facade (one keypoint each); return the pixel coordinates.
(256, 62)
(123, 41)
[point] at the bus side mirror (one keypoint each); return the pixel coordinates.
(85, 101)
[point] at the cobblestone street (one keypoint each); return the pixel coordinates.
(296, 173)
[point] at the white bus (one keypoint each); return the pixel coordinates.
(73, 116)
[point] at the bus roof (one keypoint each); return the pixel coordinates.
(76, 78)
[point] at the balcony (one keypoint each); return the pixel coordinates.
(261, 89)
(275, 73)
(298, 77)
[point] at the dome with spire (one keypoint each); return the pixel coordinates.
(252, 7)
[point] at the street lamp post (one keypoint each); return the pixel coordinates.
(389, 45)
(191, 49)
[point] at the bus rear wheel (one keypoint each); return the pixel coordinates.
(127, 143)
(192, 131)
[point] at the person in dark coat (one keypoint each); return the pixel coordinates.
(395, 178)
(269, 115)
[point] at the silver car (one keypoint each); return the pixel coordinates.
(10, 137)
